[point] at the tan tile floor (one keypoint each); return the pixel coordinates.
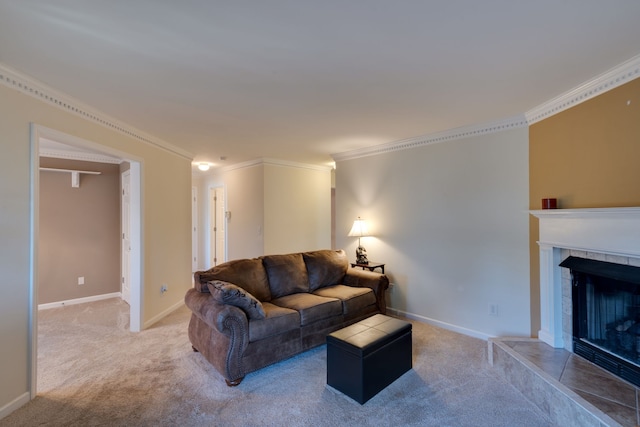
(615, 397)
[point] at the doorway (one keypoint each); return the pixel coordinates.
(218, 226)
(125, 250)
(134, 224)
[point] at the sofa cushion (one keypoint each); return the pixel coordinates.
(228, 293)
(287, 274)
(311, 307)
(325, 267)
(277, 321)
(353, 299)
(249, 274)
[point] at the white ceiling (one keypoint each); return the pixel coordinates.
(299, 80)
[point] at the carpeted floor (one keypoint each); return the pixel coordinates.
(93, 372)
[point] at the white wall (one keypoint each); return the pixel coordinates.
(451, 223)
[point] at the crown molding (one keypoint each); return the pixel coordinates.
(514, 122)
(15, 80)
(617, 76)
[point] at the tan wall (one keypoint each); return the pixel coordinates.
(297, 213)
(587, 156)
(166, 223)
(245, 201)
(79, 231)
(274, 208)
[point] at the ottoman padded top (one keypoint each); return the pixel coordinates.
(369, 334)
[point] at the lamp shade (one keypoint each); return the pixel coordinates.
(359, 228)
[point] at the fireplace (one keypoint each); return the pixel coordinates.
(606, 314)
(609, 235)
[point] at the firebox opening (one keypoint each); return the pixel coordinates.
(606, 315)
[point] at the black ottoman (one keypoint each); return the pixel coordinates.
(364, 358)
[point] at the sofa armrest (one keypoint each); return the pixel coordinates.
(376, 281)
(220, 332)
(221, 317)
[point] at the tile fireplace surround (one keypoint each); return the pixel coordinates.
(606, 234)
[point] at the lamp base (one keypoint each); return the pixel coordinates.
(361, 256)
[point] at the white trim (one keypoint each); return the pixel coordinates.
(514, 122)
(136, 272)
(82, 300)
(34, 234)
(15, 80)
(72, 155)
(443, 325)
(609, 213)
(19, 401)
(162, 315)
(617, 76)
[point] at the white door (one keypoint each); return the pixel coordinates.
(126, 239)
(218, 226)
(194, 229)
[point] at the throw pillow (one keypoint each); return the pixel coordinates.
(228, 293)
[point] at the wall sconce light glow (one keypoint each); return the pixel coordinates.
(204, 166)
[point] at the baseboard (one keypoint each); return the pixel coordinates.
(162, 315)
(79, 300)
(443, 325)
(14, 404)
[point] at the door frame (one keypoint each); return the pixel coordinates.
(214, 221)
(125, 229)
(38, 132)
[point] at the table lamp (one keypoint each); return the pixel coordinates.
(359, 230)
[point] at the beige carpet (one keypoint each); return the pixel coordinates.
(93, 372)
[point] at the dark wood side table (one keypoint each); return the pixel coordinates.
(371, 266)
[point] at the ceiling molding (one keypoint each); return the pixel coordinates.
(617, 76)
(448, 135)
(15, 80)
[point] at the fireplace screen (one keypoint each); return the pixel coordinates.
(606, 315)
(612, 315)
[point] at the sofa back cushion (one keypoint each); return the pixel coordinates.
(249, 274)
(287, 274)
(325, 267)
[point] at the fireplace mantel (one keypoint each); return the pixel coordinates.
(609, 231)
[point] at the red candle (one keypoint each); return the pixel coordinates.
(549, 203)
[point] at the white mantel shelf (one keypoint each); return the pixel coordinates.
(610, 231)
(631, 212)
(614, 231)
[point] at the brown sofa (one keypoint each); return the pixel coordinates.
(251, 313)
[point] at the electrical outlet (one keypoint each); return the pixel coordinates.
(493, 309)
(81, 280)
(163, 288)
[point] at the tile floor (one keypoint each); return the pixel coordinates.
(614, 397)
